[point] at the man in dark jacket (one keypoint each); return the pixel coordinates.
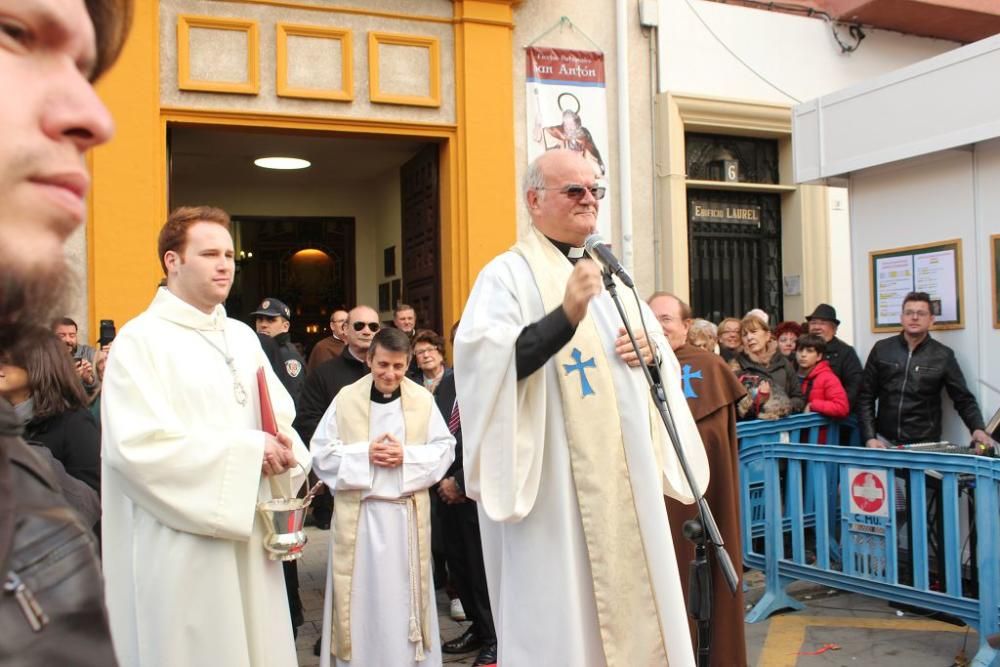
(843, 360)
(323, 384)
(273, 319)
(463, 544)
(333, 345)
(905, 374)
(49, 120)
(331, 376)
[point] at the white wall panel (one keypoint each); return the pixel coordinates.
(943, 102)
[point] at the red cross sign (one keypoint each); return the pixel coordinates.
(868, 491)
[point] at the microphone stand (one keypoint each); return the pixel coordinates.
(702, 531)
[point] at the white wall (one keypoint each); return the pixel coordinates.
(388, 231)
(795, 53)
(932, 105)
(987, 222)
(842, 280)
(942, 196)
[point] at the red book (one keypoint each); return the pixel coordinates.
(268, 423)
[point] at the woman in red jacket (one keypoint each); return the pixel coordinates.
(821, 388)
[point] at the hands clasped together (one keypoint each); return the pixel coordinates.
(449, 492)
(583, 285)
(386, 451)
(278, 455)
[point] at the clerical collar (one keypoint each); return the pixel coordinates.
(172, 308)
(571, 253)
(379, 397)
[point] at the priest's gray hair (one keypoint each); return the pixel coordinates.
(534, 179)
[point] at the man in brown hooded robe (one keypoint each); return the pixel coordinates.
(712, 391)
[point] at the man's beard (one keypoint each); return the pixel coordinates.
(31, 296)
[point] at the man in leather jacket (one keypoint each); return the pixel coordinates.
(905, 374)
(54, 614)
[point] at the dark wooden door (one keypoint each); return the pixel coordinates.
(421, 234)
(734, 253)
(307, 262)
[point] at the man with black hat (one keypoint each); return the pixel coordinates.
(843, 359)
(273, 319)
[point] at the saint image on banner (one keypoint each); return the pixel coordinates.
(566, 108)
(571, 134)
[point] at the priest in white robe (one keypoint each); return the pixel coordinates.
(185, 463)
(565, 452)
(380, 445)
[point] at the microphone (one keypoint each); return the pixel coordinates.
(599, 249)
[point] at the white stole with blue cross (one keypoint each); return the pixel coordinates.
(600, 473)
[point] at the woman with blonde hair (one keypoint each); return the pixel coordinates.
(703, 334)
(772, 385)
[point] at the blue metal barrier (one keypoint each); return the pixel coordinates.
(882, 498)
(802, 428)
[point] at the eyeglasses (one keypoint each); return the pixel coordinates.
(577, 192)
(424, 350)
(372, 326)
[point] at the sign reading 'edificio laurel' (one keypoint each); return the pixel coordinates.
(704, 211)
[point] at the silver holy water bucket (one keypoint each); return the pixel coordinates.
(283, 519)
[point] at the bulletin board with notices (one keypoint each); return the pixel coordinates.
(995, 279)
(935, 268)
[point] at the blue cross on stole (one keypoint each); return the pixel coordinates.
(580, 365)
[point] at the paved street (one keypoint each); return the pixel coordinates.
(867, 631)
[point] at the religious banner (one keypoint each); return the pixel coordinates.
(566, 108)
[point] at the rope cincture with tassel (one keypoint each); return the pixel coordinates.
(415, 635)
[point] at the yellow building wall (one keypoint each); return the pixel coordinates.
(128, 197)
(478, 193)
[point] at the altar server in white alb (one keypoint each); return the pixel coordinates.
(565, 452)
(381, 444)
(185, 463)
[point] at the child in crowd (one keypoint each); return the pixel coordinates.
(821, 388)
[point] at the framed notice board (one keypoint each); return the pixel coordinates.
(995, 278)
(935, 268)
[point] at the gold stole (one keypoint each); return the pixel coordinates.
(623, 591)
(353, 406)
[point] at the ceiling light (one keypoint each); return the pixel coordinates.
(281, 163)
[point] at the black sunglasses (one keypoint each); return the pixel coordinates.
(577, 192)
(372, 326)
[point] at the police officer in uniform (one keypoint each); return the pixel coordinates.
(273, 319)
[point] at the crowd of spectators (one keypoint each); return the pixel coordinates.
(793, 367)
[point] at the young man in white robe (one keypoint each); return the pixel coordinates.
(185, 463)
(380, 445)
(565, 452)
